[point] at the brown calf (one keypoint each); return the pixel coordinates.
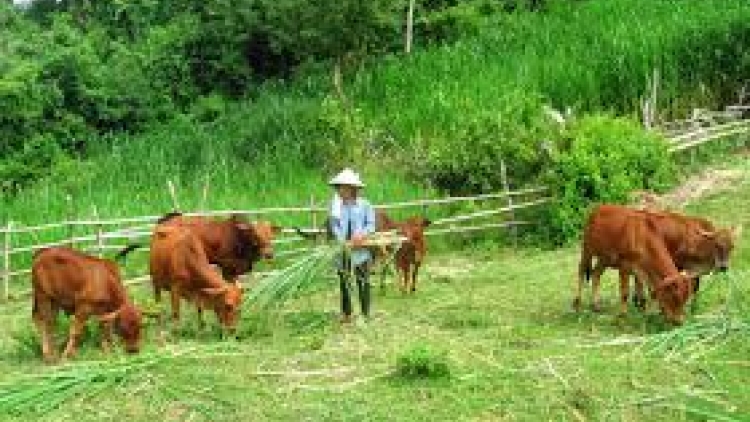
(81, 285)
(411, 253)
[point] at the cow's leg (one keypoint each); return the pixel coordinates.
(624, 291)
(696, 285)
(596, 278)
(106, 329)
(639, 298)
(201, 322)
(76, 329)
(174, 293)
(44, 317)
(414, 273)
(583, 272)
(405, 275)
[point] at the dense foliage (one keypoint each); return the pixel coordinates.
(112, 93)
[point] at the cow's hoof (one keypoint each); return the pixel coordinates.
(50, 360)
(577, 304)
(596, 308)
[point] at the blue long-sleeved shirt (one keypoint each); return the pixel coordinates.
(361, 216)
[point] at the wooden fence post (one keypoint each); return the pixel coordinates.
(173, 195)
(509, 200)
(314, 216)
(99, 234)
(71, 221)
(6, 259)
(409, 26)
(204, 200)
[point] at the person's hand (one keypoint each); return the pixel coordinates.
(358, 240)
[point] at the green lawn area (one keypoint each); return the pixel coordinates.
(515, 349)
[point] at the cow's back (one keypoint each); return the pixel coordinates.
(68, 277)
(610, 234)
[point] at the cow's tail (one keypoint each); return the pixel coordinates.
(584, 266)
(130, 248)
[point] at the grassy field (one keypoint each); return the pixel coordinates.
(500, 320)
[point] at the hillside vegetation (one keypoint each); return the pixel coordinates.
(110, 100)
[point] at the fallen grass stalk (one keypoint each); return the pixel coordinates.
(42, 393)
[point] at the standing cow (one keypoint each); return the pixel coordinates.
(694, 244)
(81, 285)
(632, 243)
(234, 245)
(179, 264)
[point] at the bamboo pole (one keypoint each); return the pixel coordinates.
(409, 26)
(71, 221)
(509, 199)
(173, 195)
(6, 260)
(99, 235)
(314, 215)
(204, 199)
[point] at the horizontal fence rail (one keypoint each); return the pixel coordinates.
(702, 127)
(140, 228)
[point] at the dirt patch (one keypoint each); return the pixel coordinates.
(696, 187)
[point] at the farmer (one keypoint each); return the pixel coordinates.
(352, 219)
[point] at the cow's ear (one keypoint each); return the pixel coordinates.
(426, 222)
(214, 291)
(109, 317)
(706, 233)
(276, 229)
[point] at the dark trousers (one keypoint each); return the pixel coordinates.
(362, 275)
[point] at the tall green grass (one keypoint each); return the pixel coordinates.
(594, 55)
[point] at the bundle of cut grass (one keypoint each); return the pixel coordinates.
(304, 272)
(42, 393)
(706, 332)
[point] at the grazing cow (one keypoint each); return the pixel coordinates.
(411, 254)
(632, 243)
(234, 245)
(179, 263)
(81, 285)
(694, 243)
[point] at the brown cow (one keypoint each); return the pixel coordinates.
(694, 243)
(234, 245)
(411, 254)
(82, 286)
(179, 263)
(631, 243)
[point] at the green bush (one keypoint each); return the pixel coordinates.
(604, 160)
(422, 361)
(466, 157)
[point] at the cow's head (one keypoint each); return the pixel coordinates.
(673, 293)
(226, 301)
(719, 245)
(259, 236)
(413, 228)
(128, 323)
